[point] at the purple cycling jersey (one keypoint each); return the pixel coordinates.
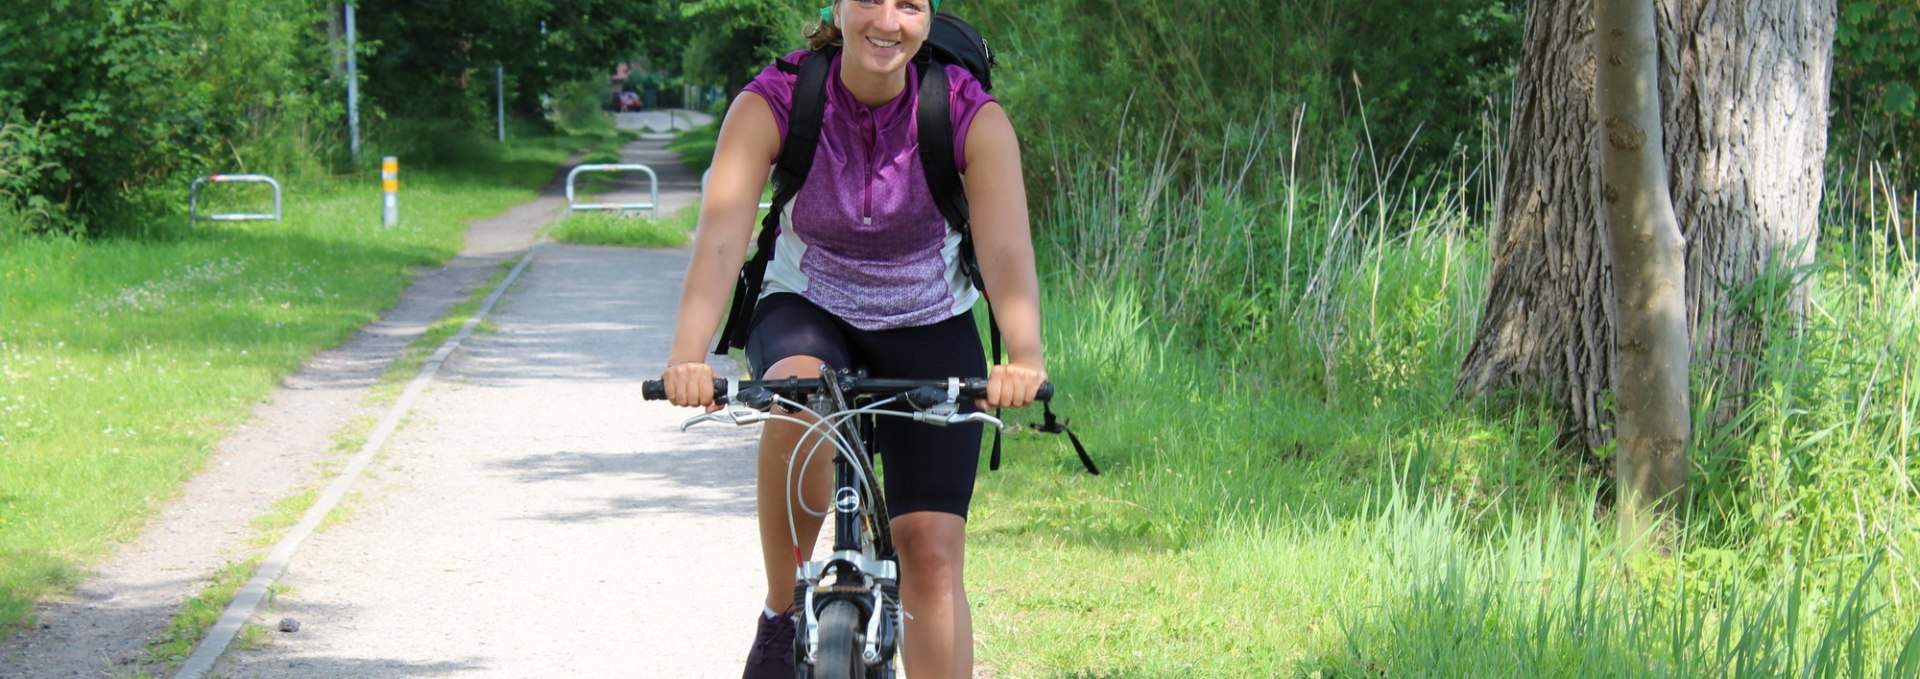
(864, 239)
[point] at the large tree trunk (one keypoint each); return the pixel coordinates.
(1746, 92)
(1744, 88)
(1649, 272)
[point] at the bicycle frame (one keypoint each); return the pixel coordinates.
(863, 564)
(862, 570)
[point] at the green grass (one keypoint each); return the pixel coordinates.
(613, 228)
(201, 611)
(123, 362)
(695, 146)
(394, 380)
(1264, 370)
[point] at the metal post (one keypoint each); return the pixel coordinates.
(500, 99)
(353, 92)
(390, 186)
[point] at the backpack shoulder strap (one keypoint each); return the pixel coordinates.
(939, 165)
(804, 116)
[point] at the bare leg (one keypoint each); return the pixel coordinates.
(932, 568)
(777, 441)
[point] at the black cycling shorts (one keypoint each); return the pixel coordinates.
(924, 467)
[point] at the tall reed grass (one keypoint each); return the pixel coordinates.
(1263, 360)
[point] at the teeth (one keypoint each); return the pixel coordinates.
(883, 43)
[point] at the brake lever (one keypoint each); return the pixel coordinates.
(940, 418)
(736, 415)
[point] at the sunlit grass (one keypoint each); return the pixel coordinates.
(612, 228)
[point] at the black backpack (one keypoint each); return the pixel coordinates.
(951, 41)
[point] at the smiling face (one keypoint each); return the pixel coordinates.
(881, 36)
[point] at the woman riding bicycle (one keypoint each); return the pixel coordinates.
(866, 275)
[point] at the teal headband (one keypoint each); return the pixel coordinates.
(826, 13)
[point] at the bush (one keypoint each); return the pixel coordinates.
(581, 108)
(1208, 76)
(112, 100)
(1876, 109)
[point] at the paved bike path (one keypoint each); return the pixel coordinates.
(536, 517)
(532, 518)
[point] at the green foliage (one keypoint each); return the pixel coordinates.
(730, 40)
(436, 58)
(1093, 75)
(25, 156)
(108, 102)
(1256, 351)
(579, 106)
(1876, 56)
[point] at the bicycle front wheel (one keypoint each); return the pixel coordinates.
(839, 656)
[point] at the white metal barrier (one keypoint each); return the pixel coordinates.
(653, 187)
(703, 189)
(193, 199)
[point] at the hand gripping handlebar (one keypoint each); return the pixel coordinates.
(921, 392)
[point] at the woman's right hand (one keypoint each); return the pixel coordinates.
(689, 383)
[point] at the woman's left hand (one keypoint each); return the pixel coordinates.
(1013, 385)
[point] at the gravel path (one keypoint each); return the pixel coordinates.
(533, 518)
(538, 518)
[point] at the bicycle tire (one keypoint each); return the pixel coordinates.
(839, 656)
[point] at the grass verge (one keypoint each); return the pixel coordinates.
(610, 228)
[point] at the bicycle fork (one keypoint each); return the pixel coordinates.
(863, 573)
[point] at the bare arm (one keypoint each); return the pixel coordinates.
(749, 140)
(1003, 242)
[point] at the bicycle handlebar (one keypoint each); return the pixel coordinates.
(797, 389)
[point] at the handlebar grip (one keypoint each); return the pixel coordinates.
(656, 390)
(976, 387)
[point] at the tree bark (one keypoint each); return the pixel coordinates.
(1548, 323)
(1746, 89)
(1743, 86)
(1649, 272)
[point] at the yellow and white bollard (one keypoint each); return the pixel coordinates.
(390, 185)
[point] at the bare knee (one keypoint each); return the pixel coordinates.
(932, 546)
(794, 366)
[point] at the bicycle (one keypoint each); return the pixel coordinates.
(847, 604)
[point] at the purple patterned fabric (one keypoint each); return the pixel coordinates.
(864, 239)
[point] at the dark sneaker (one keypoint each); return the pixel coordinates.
(772, 655)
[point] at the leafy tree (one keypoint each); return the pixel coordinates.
(109, 98)
(731, 40)
(1876, 68)
(433, 59)
(1746, 178)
